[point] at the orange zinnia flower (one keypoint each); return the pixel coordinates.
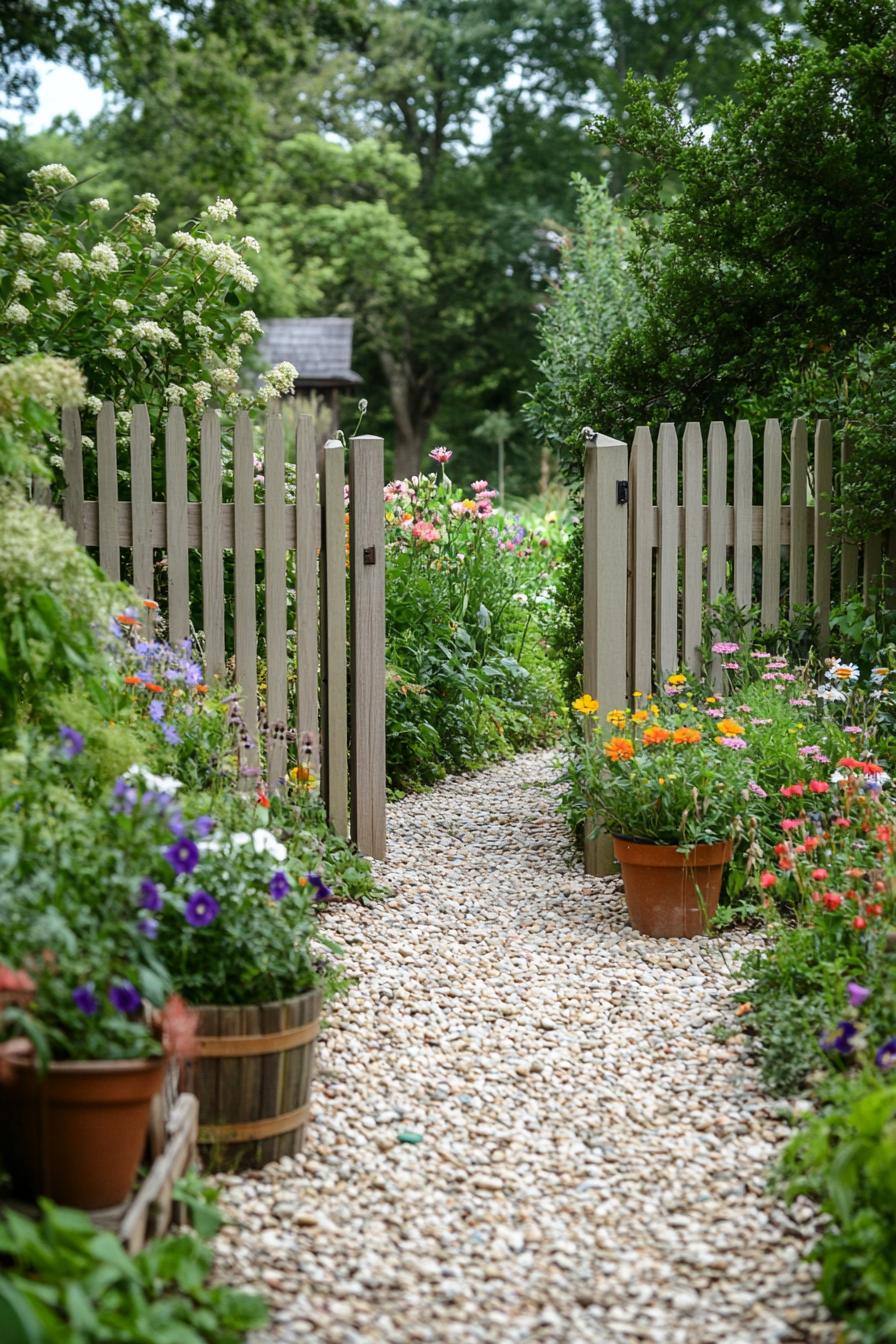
(640, 716)
(150, 605)
(202, 688)
(127, 620)
(619, 749)
(685, 737)
(154, 686)
(654, 736)
(132, 681)
(730, 728)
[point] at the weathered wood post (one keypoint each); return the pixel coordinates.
(605, 544)
(368, 647)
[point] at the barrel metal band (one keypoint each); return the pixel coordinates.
(248, 1130)
(268, 1043)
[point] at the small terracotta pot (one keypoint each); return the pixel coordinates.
(670, 894)
(76, 1133)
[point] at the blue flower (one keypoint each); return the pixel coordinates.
(124, 797)
(201, 910)
(183, 856)
(170, 734)
(125, 998)
(150, 896)
(148, 926)
(156, 711)
(840, 1040)
(85, 1000)
(204, 826)
(72, 742)
(279, 885)
(886, 1055)
(319, 889)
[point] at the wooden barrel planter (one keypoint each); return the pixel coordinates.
(253, 1080)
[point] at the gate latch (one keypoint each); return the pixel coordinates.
(622, 492)
(370, 555)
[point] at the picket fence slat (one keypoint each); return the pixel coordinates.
(667, 551)
(821, 590)
(641, 514)
(275, 596)
(717, 525)
(141, 501)
(799, 516)
(73, 467)
(212, 543)
(178, 526)
(771, 524)
(306, 547)
(692, 600)
(849, 551)
(245, 633)
(174, 525)
(743, 514)
(334, 682)
(107, 491)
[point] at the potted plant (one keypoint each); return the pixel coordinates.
(667, 788)
(81, 1056)
(235, 932)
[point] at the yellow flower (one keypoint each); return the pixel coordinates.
(640, 716)
(711, 700)
(661, 780)
(686, 737)
(677, 679)
(637, 694)
(586, 704)
(730, 728)
(655, 709)
(616, 718)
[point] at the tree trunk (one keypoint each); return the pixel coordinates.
(414, 401)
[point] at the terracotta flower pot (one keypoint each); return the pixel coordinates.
(76, 1133)
(670, 894)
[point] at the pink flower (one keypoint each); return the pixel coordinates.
(818, 786)
(726, 646)
(809, 751)
(478, 486)
(760, 722)
(767, 880)
(757, 789)
(441, 455)
(852, 728)
(731, 667)
(424, 532)
(791, 824)
(716, 713)
(458, 509)
(484, 508)
(760, 653)
(800, 701)
(735, 743)
(791, 790)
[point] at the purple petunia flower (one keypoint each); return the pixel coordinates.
(85, 1000)
(886, 1055)
(840, 1040)
(125, 998)
(201, 910)
(183, 856)
(124, 797)
(857, 994)
(150, 896)
(148, 926)
(170, 734)
(279, 885)
(204, 826)
(319, 889)
(72, 742)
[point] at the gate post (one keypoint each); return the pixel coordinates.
(605, 545)
(368, 652)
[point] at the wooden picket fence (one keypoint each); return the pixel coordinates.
(329, 655)
(666, 534)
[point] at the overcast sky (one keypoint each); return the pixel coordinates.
(62, 90)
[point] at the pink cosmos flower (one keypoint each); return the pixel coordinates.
(852, 728)
(716, 713)
(760, 653)
(478, 486)
(484, 508)
(731, 667)
(424, 531)
(791, 824)
(800, 701)
(441, 455)
(725, 646)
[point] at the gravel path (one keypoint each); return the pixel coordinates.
(592, 1162)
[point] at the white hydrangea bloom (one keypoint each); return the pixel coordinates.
(69, 261)
(201, 392)
(115, 352)
(222, 209)
(279, 380)
(148, 331)
(146, 201)
(103, 259)
(121, 306)
(249, 322)
(94, 405)
(224, 378)
(32, 243)
(21, 281)
(190, 319)
(251, 243)
(182, 239)
(17, 312)
(98, 203)
(144, 224)
(52, 177)
(62, 303)
(175, 394)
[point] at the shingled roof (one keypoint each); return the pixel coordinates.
(319, 347)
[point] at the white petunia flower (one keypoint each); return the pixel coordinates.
(160, 783)
(265, 843)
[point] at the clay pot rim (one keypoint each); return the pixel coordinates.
(664, 853)
(24, 1058)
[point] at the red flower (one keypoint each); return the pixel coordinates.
(850, 762)
(767, 880)
(883, 834)
(785, 863)
(791, 823)
(818, 786)
(263, 799)
(781, 847)
(875, 908)
(869, 768)
(154, 686)
(791, 790)
(841, 821)
(859, 922)
(812, 842)
(819, 874)
(832, 900)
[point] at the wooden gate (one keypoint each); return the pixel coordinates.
(221, 507)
